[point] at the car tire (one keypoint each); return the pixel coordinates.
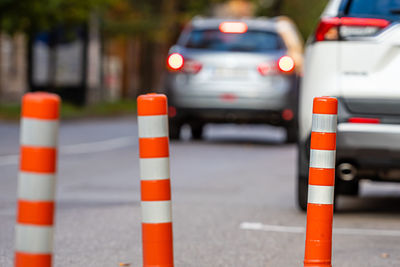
(175, 130)
(302, 192)
(197, 131)
(350, 188)
(302, 175)
(291, 134)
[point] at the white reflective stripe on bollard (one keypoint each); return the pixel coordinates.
(324, 159)
(153, 126)
(156, 211)
(36, 132)
(36, 186)
(34, 239)
(154, 168)
(320, 194)
(324, 123)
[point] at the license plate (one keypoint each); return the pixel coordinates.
(234, 73)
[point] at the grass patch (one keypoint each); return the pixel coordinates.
(69, 111)
(9, 111)
(122, 107)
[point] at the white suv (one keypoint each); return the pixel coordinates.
(354, 55)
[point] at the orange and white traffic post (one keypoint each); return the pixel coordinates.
(37, 180)
(155, 181)
(318, 249)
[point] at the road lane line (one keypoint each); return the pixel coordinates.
(271, 228)
(300, 230)
(83, 148)
(99, 146)
(9, 160)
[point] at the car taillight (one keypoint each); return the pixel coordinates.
(361, 26)
(192, 66)
(177, 63)
(286, 64)
(266, 68)
(364, 120)
(330, 29)
(172, 111)
(287, 114)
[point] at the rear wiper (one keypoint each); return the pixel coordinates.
(395, 11)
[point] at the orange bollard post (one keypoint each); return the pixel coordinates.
(155, 181)
(37, 179)
(318, 250)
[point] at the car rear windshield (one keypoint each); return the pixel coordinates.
(374, 8)
(250, 41)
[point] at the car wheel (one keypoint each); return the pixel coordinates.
(175, 130)
(350, 188)
(302, 175)
(291, 134)
(197, 131)
(302, 192)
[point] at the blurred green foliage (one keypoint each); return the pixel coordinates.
(163, 19)
(107, 109)
(34, 15)
(69, 111)
(159, 20)
(10, 111)
(305, 13)
(138, 17)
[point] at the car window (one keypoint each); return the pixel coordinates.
(374, 8)
(250, 41)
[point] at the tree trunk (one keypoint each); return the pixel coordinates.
(147, 70)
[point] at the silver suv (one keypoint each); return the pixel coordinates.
(234, 71)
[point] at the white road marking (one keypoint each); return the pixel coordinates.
(84, 148)
(9, 160)
(271, 228)
(100, 146)
(299, 230)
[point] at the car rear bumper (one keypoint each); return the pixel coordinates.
(369, 146)
(232, 101)
(231, 115)
(275, 94)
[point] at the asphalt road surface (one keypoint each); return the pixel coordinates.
(233, 201)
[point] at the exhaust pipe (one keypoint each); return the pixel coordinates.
(347, 171)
